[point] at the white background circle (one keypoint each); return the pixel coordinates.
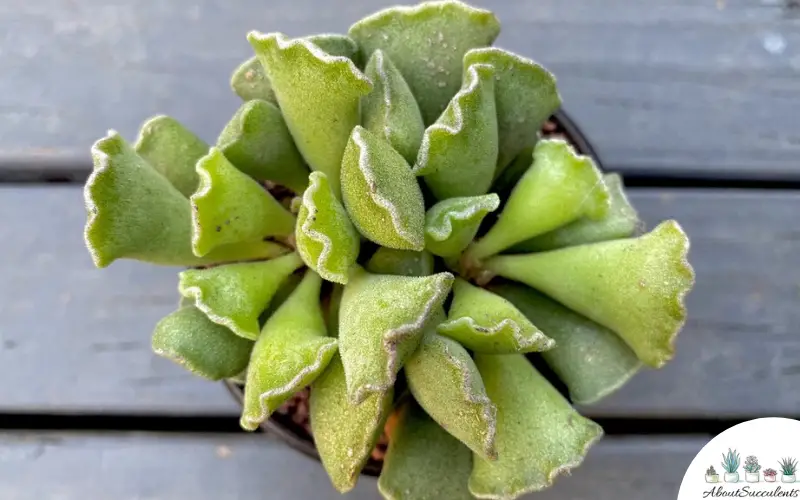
(769, 439)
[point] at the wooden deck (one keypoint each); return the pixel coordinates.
(697, 102)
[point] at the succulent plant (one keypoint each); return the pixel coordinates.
(788, 466)
(711, 471)
(731, 461)
(770, 472)
(384, 222)
(751, 464)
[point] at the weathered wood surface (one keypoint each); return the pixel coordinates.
(667, 85)
(79, 337)
(213, 467)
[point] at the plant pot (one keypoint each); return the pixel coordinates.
(713, 478)
(731, 477)
(788, 478)
(296, 436)
(770, 479)
(751, 477)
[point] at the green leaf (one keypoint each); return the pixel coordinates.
(382, 319)
(445, 381)
(400, 262)
(634, 286)
(390, 110)
(345, 434)
(319, 96)
(559, 188)
(423, 461)
(206, 349)
(249, 81)
(381, 194)
(291, 352)
(539, 435)
(230, 207)
(590, 359)
(172, 150)
(334, 302)
(621, 221)
(508, 178)
(427, 42)
(133, 212)
(258, 143)
(326, 240)
(458, 155)
(484, 322)
(526, 97)
(234, 295)
(451, 225)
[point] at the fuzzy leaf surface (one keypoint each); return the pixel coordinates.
(208, 350)
(539, 435)
(345, 434)
(234, 295)
(230, 207)
(423, 461)
(526, 97)
(589, 358)
(390, 110)
(445, 382)
(458, 155)
(634, 286)
(319, 96)
(133, 212)
(427, 43)
(400, 262)
(560, 187)
(451, 225)
(257, 141)
(291, 352)
(382, 320)
(485, 322)
(381, 194)
(326, 239)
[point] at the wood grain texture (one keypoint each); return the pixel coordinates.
(704, 88)
(196, 467)
(80, 337)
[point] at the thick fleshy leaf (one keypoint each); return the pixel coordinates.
(589, 358)
(344, 433)
(249, 81)
(423, 461)
(334, 303)
(381, 194)
(634, 286)
(133, 212)
(560, 187)
(621, 221)
(230, 207)
(258, 143)
(400, 262)
(326, 240)
(458, 155)
(319, 96)
(444, 380)
(451, 225)
(526, 97)
(427, 43)
(291, 352)
(207, 349)
(485, 322)
(539, 435)
(172, 150)
(382, 319)
(390, 109)
(235, 295)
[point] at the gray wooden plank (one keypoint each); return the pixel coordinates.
(79, 337)
(161, 467)
(708, 86)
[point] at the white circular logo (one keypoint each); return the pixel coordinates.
(755, 459)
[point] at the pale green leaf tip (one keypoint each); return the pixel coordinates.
(101, 152)
(443, 229)
(537, 342)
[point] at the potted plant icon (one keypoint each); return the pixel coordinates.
(751, 469)
(711, 475)
(770, 475)
(730, 464)
(788, 468)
